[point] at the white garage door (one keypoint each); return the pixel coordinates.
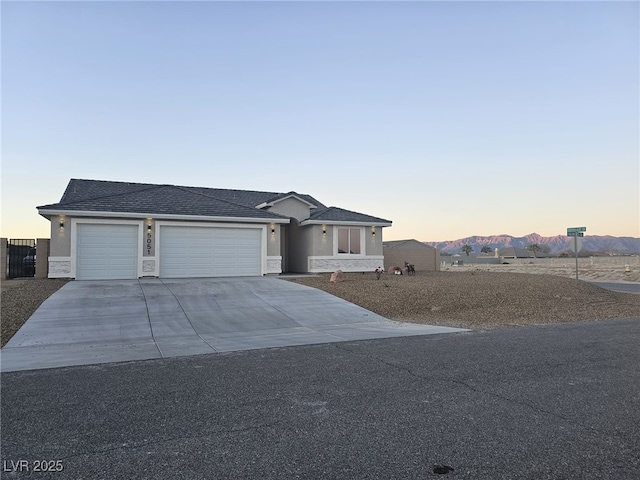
(210, 252)
(106, 252)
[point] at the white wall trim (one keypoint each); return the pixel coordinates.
(345, 223)
(138, 215)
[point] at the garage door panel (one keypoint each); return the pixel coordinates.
(226, 264)
(199, 251)
(210, 251)
(120, 262)
(106, 251)
(244, 264)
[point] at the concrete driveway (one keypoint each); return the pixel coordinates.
(88, 322)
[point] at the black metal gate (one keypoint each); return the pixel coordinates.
(22, 258)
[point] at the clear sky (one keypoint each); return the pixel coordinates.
(449, 118)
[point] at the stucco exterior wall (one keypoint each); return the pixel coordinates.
(324, 256)
(60, 238)
(291, 207)
(309, 250)
(59, 258)
(273, 240)
(289, 248)
(321, 243)
(42, 257)
(298, 246)
(424, 259)
(374, 242)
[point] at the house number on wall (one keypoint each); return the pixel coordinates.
(149, 244)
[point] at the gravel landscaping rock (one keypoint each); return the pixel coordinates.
(479, 300)
(470, 299)
(20, 298)
(603, 273)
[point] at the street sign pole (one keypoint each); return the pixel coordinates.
(575, 244)
(576, 232)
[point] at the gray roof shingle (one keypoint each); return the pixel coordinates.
(152, 200)
(335, 214)
(251, 198)
(79, 189)
(306, 198)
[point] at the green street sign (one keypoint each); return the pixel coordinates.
(576, 232)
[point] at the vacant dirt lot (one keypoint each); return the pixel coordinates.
(477, 299)
(598, 272)
(467, 298)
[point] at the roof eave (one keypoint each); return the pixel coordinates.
(273, 202)
(163, 216)
(377, 223)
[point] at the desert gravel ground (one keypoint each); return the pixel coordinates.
(602, 273)
(479, 300)
(469, 299)
(20, 298)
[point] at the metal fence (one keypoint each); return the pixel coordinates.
(21, 258)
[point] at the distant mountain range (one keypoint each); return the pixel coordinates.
(557, 244)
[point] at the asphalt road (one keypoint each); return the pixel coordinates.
(544, 402)
(619, 286)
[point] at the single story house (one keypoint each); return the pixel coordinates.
(120, 230)
(422, 256)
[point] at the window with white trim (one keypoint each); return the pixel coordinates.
(349, 241)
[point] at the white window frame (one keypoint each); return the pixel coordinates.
(336, 229)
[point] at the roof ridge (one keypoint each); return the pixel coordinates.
(229, 189)
(199, 189)
(170, 185)
(187, 190)
(319, 211)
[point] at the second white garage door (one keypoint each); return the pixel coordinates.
(210, 252)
